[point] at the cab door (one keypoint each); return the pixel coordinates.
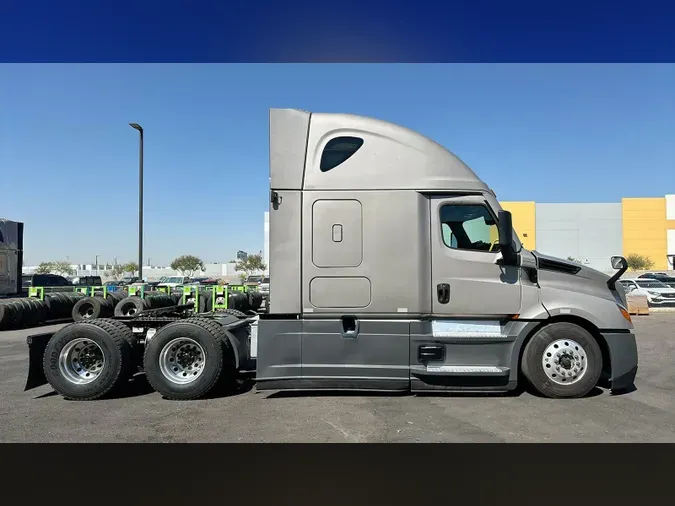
(467, 279)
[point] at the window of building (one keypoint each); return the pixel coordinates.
(338, 151)
(469, 227)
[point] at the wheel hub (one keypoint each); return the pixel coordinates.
(182, 360)
(564, 362)
(81, 361)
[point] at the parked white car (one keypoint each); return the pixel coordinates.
(657, 293)
(174, 281)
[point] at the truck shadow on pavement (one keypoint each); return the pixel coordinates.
(139, 386)
(337, 393)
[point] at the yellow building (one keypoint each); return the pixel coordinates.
(594, 232)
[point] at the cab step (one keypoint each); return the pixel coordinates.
(459, 370)
(460, 378)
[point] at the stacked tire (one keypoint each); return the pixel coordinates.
(239, 301)
(130, 306)
(61, 304)
(28, 311)
(255, 300)
(22, 312)
(96, 307)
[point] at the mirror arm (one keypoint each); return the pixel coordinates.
(611, 282)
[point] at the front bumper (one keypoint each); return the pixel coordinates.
(623, 358)
(661, 301)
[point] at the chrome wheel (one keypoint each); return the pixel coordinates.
(182, 360)
(81, 361)
(564, 362)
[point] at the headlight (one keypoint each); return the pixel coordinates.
(654, 294)
(624, 312)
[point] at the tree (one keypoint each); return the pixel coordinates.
(637, 262)
(44, 268)
(187, 264)
(130, 267)
(59, 267)
(253, 263)
(116, 271)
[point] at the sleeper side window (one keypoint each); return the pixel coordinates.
(469, 227)
(338, 151)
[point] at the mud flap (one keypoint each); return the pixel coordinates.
(37, 344)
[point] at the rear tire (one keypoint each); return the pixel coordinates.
(87, 360)
(562, 360)
(187, 359)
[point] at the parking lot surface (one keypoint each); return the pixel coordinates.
(645, 415)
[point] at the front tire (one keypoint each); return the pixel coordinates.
(562, 360)
(187, 359)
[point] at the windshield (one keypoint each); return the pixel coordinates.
(266, 280)
(163, 279)
(254, 279)
(173, 280)
(651, 284)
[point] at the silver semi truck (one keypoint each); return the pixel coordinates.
(393, 268)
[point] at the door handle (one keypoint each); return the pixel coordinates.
(443, 291)
(350, 327)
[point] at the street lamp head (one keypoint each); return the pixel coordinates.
(136, 126)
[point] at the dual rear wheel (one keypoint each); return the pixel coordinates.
(184, 360)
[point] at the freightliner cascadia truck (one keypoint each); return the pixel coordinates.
(393, 267)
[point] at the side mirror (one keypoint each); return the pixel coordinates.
(505, 229)
(621, 264)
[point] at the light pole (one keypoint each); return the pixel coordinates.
(140, 199)
(97, 264)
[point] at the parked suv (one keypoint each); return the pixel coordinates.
(659, 276)
(657, 293)
(88, 281)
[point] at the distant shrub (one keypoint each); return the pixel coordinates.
(637, 262)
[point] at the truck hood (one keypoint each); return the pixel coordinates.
(580, 278)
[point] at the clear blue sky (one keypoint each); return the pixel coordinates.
(68, 159)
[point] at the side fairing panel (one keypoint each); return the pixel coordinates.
(285, 253)
(288, 146)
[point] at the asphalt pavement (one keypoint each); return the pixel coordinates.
(645, 415)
